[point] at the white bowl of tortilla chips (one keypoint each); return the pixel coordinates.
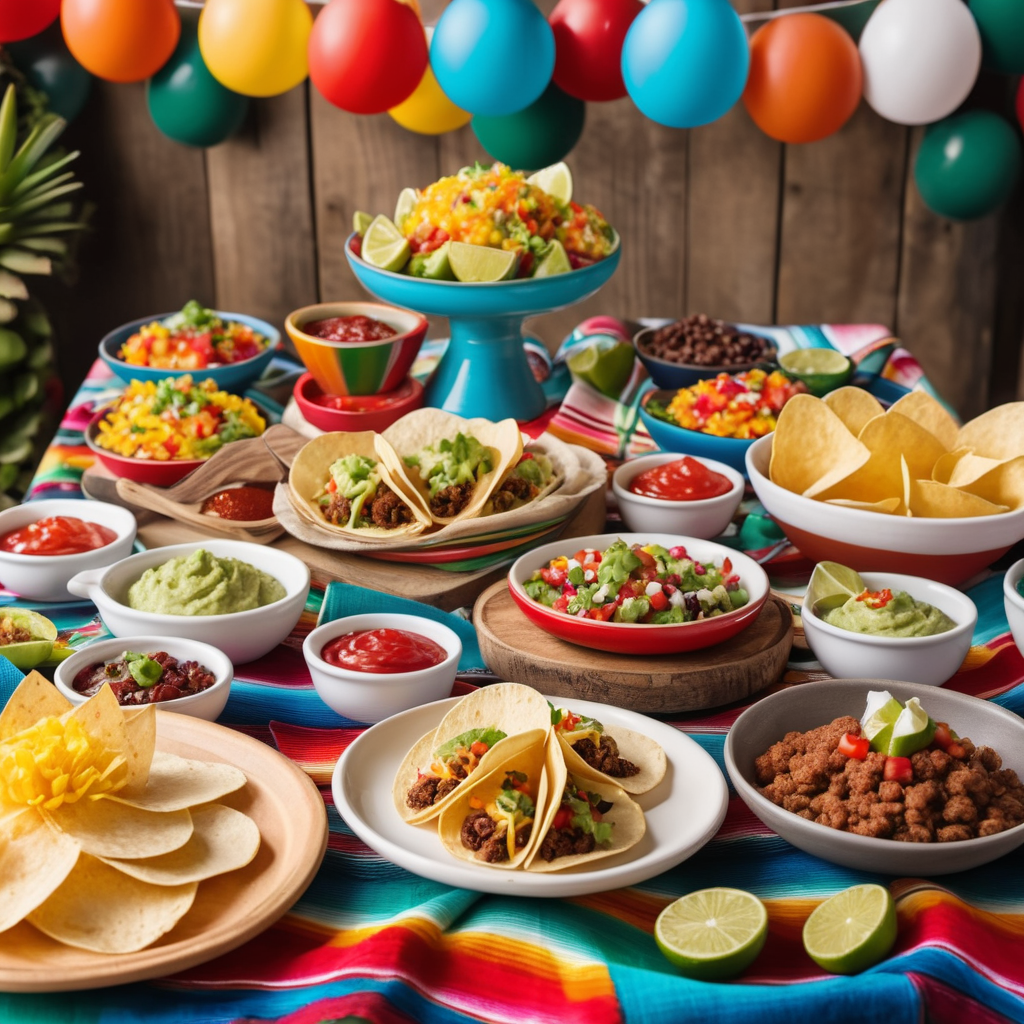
(905, 490)
(104, 839)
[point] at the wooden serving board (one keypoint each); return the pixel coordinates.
(514, 648)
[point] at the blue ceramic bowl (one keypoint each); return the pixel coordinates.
(231, 377)
(666, 374)
(671, 438)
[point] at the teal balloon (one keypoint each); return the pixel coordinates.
(539, 135)
(1001, 24)
(968, 164)
(48, 65)
(186, 102)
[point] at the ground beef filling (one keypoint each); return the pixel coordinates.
(480, 833)
(950, 798)
(563, 842)
(12, 633)
(450, 501)
(513, 490)
(337, 511)
(428, 790)
(605, 758)
(387, 509)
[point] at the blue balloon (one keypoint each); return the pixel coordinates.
(492, 57)
(685, 62)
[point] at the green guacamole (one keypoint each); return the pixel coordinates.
(902, 616)
(203, 584)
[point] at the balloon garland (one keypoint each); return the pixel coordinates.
(524, 80)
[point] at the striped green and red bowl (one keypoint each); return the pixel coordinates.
(362, 367)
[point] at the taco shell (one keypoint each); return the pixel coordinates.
(529, 759)
(310, 473)
(556, 481)
(425, 428)
(625, 816)
(647, 755)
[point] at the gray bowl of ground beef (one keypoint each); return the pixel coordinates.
(957, 813)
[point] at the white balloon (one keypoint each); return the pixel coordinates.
(920, 59)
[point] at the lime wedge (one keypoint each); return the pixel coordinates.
(384, 246)
(556, 180)
(821, 369)
(879, 717)
(832, 585)
(555, 261)
(712, 933)
(912, 731)
(853, 930)
(361, 221)
(605, 364)
(407, 200)
(480, 264)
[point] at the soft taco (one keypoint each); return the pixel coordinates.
(452, 463)
(585, 820)
(532, 476)
(481, 729)
(493, 820)
(342, 481)
(617, 755)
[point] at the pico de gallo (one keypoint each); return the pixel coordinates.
(646, 584)
(194, 339)
(743, 405)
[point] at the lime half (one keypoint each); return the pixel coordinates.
(555, 261)
(821, 369)
(384, 246)
(605, 364)
(853, 930)
(912, 731)
(407, 200)
(361, 221)
(556, 180)
(480, 264)
(832, 585)
(712, 933)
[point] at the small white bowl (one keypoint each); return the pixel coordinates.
(207, 705)
(925, 660)
(706, 518)
(371, 696)
(1014, 603)
(242, 636)
(45, 577)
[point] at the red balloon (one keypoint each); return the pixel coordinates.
(20, 19)
(367, 56)
(588, 46)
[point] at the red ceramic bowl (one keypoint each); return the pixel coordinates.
(633, 638)
(355, 412)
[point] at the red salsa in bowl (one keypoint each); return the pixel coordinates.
(57, 535)
(137, 678)
(383, 651)
(684, 479)
(349, 329)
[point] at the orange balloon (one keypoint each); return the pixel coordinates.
(805, 78)
(121, 40)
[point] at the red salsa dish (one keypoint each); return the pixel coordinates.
(246, 504)
(364, 403)
(383, 651)
(144, 678)
(684, 479)
(349, 329)
(57, 535)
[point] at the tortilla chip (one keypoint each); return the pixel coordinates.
(109, 828)
(103, 718)
(945, 464)
(928, 412)
(854, 406)
(932, 499)
(1003, 484)
(222, 840)
(426, 427)
(176, 783)
(996, 434)
(309, 475)
(140, 729)
(905, 475)
(34, 860)
(647, 755)
(35, 697)
(887, 506)
(101, 909)
(812, 447)
(970, 467)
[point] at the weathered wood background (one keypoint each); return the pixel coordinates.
(719, 220)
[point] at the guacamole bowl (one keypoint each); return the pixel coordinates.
(1013, 602)
(242, 635)
(925, 660)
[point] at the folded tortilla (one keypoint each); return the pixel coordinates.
(644, 752)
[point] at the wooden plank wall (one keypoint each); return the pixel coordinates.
(720, 220)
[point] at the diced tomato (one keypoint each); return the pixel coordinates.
(332, 486)
(171, 447)
(856, 747)
(479, 748)
(561, 603)
(553, 577)
(727, 566)
(876, 598)
(898, 769)
(646, 558)
(563, 818)
(945, 739)
(659, 601)
(476, 803)
(591, 567)
(604, 612)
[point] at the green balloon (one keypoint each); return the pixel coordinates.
(186, 102)
(1001, 24)
(968, 164)
(48, 65)
(537, 136)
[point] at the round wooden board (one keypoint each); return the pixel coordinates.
(514, 648)
(229, 909)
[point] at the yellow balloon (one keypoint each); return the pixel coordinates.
(428, 111)
(256, 47)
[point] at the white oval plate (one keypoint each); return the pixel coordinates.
(683, 811)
